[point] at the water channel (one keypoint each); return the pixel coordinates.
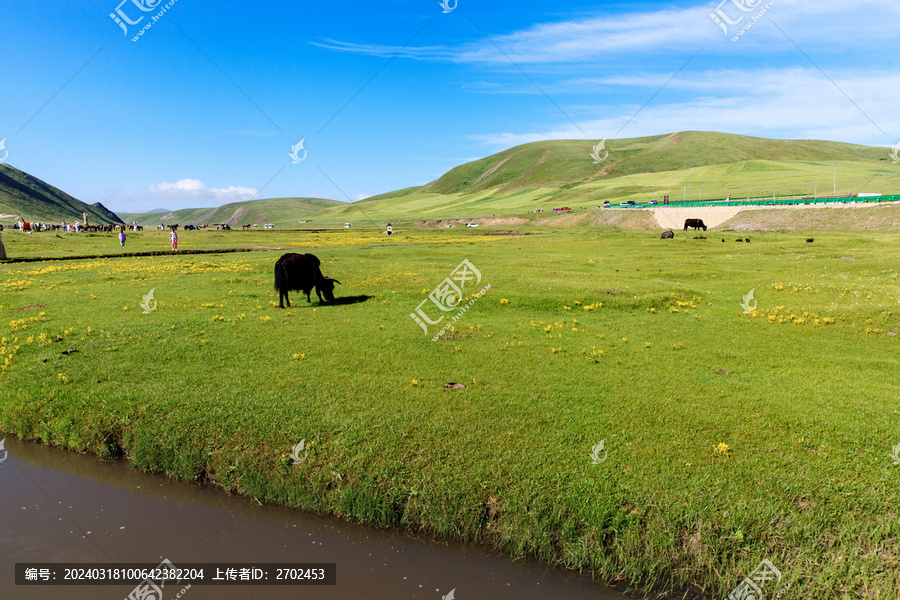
(62, 507)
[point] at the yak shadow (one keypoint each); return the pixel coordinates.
(347, 300)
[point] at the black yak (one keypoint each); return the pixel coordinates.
(300, 272)
(667, 235)
(695, 223)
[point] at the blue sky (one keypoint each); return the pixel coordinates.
(205, 106)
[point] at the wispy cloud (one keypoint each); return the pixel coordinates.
(597, 37)
(771, 102)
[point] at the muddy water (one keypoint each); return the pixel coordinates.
(58, 506)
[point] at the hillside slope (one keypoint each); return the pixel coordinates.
(281, 211)
(689, 165)
(569, 162)
(35, 200)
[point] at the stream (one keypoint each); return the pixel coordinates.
(58, 506)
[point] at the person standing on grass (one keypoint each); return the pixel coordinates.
(173, 237)
(122, 237)
(2, 249)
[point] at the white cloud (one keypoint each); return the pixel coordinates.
(361, 197)
(195, 189)
(184, 193)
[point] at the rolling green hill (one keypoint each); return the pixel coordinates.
(543, 175)
(569, 163)
(35, 200)
(280, 211)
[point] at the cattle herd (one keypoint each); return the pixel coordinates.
(74, 227)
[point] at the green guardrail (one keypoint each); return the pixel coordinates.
(783, 201)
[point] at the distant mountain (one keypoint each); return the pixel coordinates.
(281, 211)
(162, 210)
(35, 200)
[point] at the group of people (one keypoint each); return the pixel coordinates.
(173, 239)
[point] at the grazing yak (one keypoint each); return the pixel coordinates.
(300, 272)
(667, 235)
(695, 223)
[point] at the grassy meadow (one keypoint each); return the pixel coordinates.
(729, 436)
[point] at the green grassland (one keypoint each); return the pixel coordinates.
(72, 245)
(585, 335)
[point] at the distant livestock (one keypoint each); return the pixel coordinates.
(810, 241)
(695, 223)
(301, 272)
(667, 235)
